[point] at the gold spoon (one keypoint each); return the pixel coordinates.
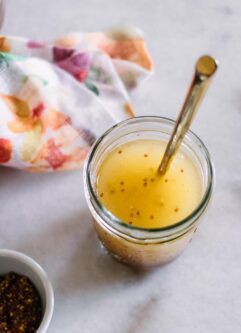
(206, 66)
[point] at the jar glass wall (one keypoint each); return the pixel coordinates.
(141, 247)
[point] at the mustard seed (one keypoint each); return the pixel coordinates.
(119, 151)
(20, 304)
(145, 155)
(101, 195)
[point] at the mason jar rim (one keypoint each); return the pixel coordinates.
(115, 221)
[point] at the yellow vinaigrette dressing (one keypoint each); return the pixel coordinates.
(129, 186)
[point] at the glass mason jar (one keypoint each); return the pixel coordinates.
(139, 247)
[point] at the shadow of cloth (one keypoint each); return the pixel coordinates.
(11, 175)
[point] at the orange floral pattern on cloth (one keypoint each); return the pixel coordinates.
(124, 43)
(57, 97)
(4, 44)
(5, 150)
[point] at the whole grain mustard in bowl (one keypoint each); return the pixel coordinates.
(26, 294)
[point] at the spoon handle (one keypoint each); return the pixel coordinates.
(206, 66)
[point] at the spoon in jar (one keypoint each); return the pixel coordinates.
(205, 68)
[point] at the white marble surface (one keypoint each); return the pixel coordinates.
(46, 217)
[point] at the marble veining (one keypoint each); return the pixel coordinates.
(142, 314)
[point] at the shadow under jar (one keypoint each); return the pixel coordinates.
(136, 246)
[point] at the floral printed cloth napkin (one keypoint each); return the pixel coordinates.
(57, 97)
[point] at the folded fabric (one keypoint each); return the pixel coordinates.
(56, 98)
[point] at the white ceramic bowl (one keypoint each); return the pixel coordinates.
(12, 261)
